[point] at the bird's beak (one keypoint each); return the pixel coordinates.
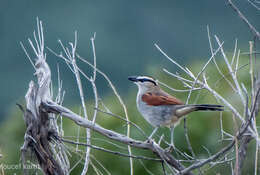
(133, 78)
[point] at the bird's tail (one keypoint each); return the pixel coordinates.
(208, 107)
(186, 109)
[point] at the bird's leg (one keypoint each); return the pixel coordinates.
(171, 147)
(172, 136)
(154, 131)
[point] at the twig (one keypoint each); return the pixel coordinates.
(234, 53)
(189, 95)
(121, 118)
(119, 99)
(254, 5)
(110, 151)
(221, 125)
(202, 70)
(97, 171)
(28, 56)
(214, 60)
(237, 62)
(76, 164)
(146, 169)
(100, 164)
(237, 168)
(256, 158)
(251, 27)
(72, 57)
(178, 90)
(248, 53)
(210, 159)
(187, 137)
(231, 72)
(251, 70)
(93, 79)
(174, 62)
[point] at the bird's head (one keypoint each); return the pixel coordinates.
(144, 83)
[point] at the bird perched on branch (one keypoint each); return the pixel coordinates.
(161, 109)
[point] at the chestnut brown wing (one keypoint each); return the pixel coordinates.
(160, 99)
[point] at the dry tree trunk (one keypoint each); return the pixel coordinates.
(40, 130)
(38, 135)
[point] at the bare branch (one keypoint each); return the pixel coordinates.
(55, 108)
(231, 72)
(119, 99)
(251, 27)
(174, 62)
(254, 5)
(121, 118)
(71, 56)
(110, 151)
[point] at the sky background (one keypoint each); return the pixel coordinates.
(125, 35)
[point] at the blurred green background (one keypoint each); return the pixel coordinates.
(125, 35)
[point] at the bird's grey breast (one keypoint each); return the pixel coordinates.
(155, 115)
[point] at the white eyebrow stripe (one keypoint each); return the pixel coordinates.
(145, 77)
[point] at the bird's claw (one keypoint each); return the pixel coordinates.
(149, 140)
(170, 148)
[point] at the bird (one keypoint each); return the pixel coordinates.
(161, 109)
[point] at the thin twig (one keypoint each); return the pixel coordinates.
(234, 53)
(93, 79)
(121, 118)
(119, 99)
(174, 62)
(71, 56)
(28, 56)
(214, 60)
(146, 169)
(110, 151)
(254, 5)
(189, 95)
(202, 70)
(231, 72)
(251, 27)
(100, 164)
(177, 90)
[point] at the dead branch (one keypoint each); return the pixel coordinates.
(52, 107)
(240, 14)
(110, 151)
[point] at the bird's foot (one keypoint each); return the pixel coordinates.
(149, 140)
(170, 148)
